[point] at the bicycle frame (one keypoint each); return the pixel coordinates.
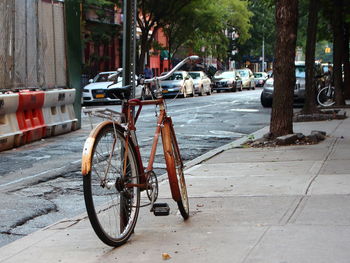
(128, 110)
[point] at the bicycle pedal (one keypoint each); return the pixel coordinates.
(161, 209)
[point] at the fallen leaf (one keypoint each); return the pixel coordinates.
(166, 256)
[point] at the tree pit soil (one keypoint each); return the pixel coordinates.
(290, 139)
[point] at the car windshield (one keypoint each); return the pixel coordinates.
(258, 75)
(102, 77)
(243, 73)
(300, 71)
(225, 74)
(195, 75)
(175, 76)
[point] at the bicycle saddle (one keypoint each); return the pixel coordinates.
(122, 93)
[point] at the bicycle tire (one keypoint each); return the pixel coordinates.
(111, 207)
(325, 99)
(174, 166)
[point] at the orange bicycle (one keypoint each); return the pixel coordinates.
(113, 172)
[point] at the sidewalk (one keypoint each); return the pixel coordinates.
(285, 204)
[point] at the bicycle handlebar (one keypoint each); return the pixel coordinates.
(183, 62)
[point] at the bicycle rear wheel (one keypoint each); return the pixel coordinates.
(326, 97)
(175, 168)
(112, 207)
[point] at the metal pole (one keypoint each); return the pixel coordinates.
(263, 55)
(129, 44)
(126, 42)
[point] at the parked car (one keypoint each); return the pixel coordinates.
(179, 83)
(95, 91)
(227, 80)
(247, 78)
(299, 90)
(260, 78)
(201, 82)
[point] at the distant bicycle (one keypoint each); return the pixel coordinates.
(326, 96)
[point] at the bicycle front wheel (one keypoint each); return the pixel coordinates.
(326, 97)
(175, 167)
(111, 205)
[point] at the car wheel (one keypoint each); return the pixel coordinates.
(253, 86)
(209, 92)
(234, 88)
(201, 91)
(266, 103)
(143, 95)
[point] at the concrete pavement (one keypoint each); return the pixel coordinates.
(284, 204)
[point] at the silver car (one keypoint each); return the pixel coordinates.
(227, 81)
(179, 83)
(260, 78)
(299, 89)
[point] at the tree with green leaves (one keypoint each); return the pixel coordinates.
(153, 15)
(262, 29)
(201, 26)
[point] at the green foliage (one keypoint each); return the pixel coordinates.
(200, 27)
(262, 27)
(302, 23)
(320, 51)
(154, 15)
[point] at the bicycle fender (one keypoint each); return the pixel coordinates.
(88, 147)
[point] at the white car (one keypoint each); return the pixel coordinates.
(179, 83)
(247, 77)
(201, 82)
(96, 90)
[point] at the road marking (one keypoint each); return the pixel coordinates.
(245, 110)
(228, 133)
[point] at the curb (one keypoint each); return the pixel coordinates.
(234, 144)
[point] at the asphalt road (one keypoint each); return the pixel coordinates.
(40, 183)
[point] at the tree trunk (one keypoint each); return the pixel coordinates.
(310, 106)
(170, 57)
(141, 59)
(337, 23)
(346, 61)
(284, 69)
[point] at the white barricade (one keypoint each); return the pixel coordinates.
(10, 133)
(59, 112)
